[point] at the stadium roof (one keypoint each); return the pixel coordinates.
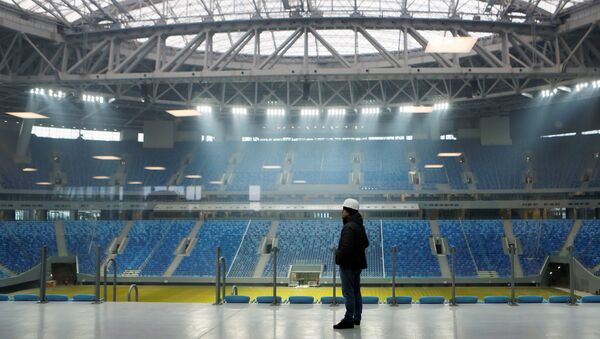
(137, 13)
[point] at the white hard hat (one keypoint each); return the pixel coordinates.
(351, 203)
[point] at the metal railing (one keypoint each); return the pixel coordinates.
(453, 277)
(573, 298)
(334, 301)
(394, 251)
(512, 250)
(274, 251)
(133, 287)
(114, 262)
(43, 274)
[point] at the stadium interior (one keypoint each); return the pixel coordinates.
(196, 154)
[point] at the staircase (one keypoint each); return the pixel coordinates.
(487, 274)
(442, 259)
(7, 271)
(61, 245)
(264, 258)
(508, 232)
(120, 241)
(571, 237)
(181, 253)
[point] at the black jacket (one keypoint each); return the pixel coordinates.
(350, 253)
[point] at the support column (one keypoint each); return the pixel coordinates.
(24, 140)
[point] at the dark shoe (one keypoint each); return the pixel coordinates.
(343, 325)
(357, 322)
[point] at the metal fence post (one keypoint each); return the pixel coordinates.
(334, 301)
(97, 287)
(274, 301)
(394, 251)
(453, 299)
(114, 263)
(223, 278)
(512, 250)
(573, 297)
(218, 278)
(43, 275)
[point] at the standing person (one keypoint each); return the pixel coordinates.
(351, 258)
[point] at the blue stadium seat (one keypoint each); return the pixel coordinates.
(530, 299)
(26, 297)
(370, 300)
(402, 300)
(237, 299)
(57, 297)
(559, 299)
(590, 299)
(329, 300)
(539, 239)
(466, 299)
(301, 300)
(267, 299)
(84, 297)
(496, 299)
(4, 297)
(436, 300)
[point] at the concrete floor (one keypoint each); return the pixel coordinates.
(187, 320)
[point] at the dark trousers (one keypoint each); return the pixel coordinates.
(351, 291)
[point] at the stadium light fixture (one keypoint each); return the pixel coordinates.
(596, 84)
(134, 183)
(29, 169)
(415, 109)
(193, 176)
(370, 110)
(449, 154)
(154, 168)
(336, 111)
(451, 44)
(216, 182)
(434, 166)
(100, 177)
(299, 182)
(43, 183)
(107, 157)
(441, 106)
(546, 93)
(582, 85)
(267, 167)
(275, 111)
(309, 112)
(56, 94)
(204, 109)
(182, 113)
(239, 110)
(92, 98)
(27, 115)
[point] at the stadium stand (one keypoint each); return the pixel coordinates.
(478, 246)
(539, 239)
(305, 242)
(213, 170)
(82, 237)
(143, 238)
(385, 166)
(21, 243)
(414, 257)
(249, 169)
(587, 243)
(224, 233)
(3, 275)
(496, 167)
(248, 253)
(164, 251)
